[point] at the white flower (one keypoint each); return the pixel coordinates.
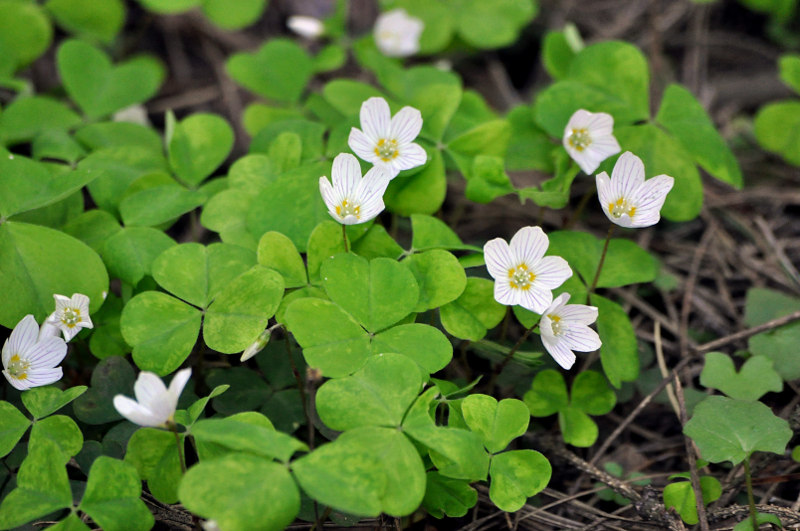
(589, 139)
(29, 362)
(627, 199)
(155, 404)
(387, 141)
(306, 27)
(353, 199)
(397, 33)
(565, 327)
(70, 316)
(257, 345)
(522, 274)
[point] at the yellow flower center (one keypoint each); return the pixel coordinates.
(348, 209)
(520, 277)
(72, 316)
(18, 368)
(620, 207)
(579, 139)
(386, 149)
(555, 324)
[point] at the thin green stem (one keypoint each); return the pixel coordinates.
(600, 264)
(174, 429)
(344, 237)
(502, 365)
(750, 499)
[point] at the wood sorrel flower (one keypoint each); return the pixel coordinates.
(565, 327)
(522, 274)
(307, 27)
(397, 33)
(155, 404)
(627, 199)
(70, 316)
(353, 199)
(30, 362)
(589, 139)
(387, 141)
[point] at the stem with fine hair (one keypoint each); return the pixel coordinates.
(600, 264)
(750, 499)
(344, 237)
(174, 429)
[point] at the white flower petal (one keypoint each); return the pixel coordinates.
(136, 413)
(80, 301)
(627, 176)
(563, 355)
(579, 313)
(558, 303)
(43, 376)
(581, 338)
(406, 125)
(362, 146)
(504, 294)
(22, 385)
(498, 258)
(410, 156)
(604, 191)
(328, 196)
(528, 245)
(24, 335)
(46, 354)
(600, 124)
(48, 329)
(346, 173)
(178, 383)
(375, 118)
(551, 272)
(535, 299)
(61, 301)
(148, 389)
(307, 27)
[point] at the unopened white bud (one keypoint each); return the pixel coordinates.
(257, 346)
(306, 27)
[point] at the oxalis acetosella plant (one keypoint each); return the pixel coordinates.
(350, 314)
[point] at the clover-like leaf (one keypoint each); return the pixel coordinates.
(113, 496)
(548, 393)
(730, 430)
(474, 312)
(440, 277)
(780, 344)
(278, 252)
(154, 453)
(756, 377)
(199, 144)
(498, 423)
(448, 496)
(425, 344)
(680, 496)
(378, 293)
(13, 426)
(516, 476)
(112, 376)
(279, 70)
(44, 401)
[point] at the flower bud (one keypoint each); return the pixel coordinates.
(257, 346)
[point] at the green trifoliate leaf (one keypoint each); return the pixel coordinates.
(246, 437)
(457, 453)
(42, 487)
(157, 205)
(489, 138)
(474, 312)
(36, 262)
(440, 277)
(730, 430)
(61, 430)
(590, 393)
(332, 340)
(154, 453)
(375, 243)
(13, 426)
(756, 377)
(26, 117)
(761, 518)
(381, 391)
(311, 142)
(789, 66)
(516, 476)
(447, 496)
(71, 523)
(279, 253)
(548, 394)
(196, 273)
(129, 253)
(378, 293)
(487, 179)
(685, 118)
(279, 70)
(779, 345)
(681, 496)
(112, 497)
(234, 14)
(577, 428)
(199, 144)
(112, 376)
(366, 471)
(25, 29)
(242, 310)
(619, 354)
(346, 95)
(663, 154)
(44, 401)
(422, 192)
(495, 25)
(432, 233)
(169, 7)
(161, 329)
(425, 344)
(114, 134)
(101, 88)
(530, 147)
(231, 490)
(557, 54)
(89, 19)
(498, 423)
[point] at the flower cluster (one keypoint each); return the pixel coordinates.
(524, 276)
(385, 141)
(31, 353)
